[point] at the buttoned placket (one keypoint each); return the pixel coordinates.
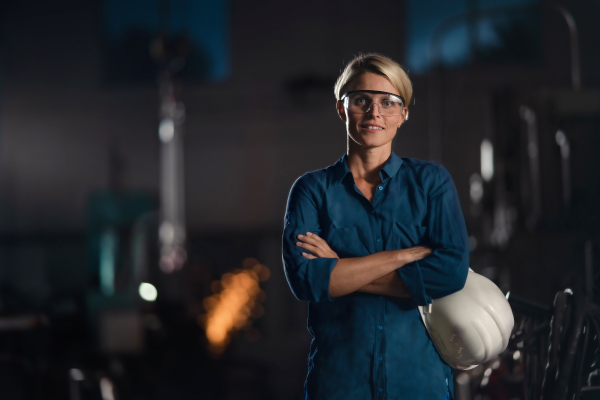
(380, 332)
(378, 245)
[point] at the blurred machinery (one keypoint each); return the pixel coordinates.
(171, 55)
(535, 231)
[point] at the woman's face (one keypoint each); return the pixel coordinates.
(371, 129)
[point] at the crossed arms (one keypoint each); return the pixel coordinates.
(375, 273)
(319, 274)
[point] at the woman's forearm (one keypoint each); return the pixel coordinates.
(351, 274)
(388, 285)
(362, 273)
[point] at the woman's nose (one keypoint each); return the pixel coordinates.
(371, 109)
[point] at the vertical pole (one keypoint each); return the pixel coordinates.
(531, 134)
(574, 41)
(172, 232)
(589, 269)
(565, 155)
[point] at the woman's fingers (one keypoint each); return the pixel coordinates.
(422, 249)
(315, 237)
(423, 252)
(309, 256)
(311, 238)
(417, 253)
(316, 245)
(308, 247)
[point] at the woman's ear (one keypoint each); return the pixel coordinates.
(405, 115)
(340, 110)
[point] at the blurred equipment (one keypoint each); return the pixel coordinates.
(172, 208)
(171, 54)
(23, 322)
(558, 348)
(111, 307)
(129, 26)
(121, 331)
(112, 215)
(471, 326)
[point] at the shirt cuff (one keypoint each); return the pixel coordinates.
(319, 275)
(412, 278)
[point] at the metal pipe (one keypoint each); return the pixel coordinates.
(528, 115)
(589, 269)
(574, 41)
(565, 155)
(564, 373)
(172, 232)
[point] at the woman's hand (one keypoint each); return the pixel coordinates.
(414, 253)
(317, 246)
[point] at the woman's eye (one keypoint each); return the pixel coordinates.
(387, 103)
(359, 101)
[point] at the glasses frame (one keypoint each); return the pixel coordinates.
(345, 96)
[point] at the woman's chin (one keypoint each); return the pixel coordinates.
(369, 142)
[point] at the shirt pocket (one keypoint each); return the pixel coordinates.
(345, 241)
(408, 235)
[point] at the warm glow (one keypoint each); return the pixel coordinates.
(235, 302)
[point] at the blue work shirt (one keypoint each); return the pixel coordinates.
(367, 346)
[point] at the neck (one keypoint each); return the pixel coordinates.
(366, 163)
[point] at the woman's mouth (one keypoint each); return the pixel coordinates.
(372, 128)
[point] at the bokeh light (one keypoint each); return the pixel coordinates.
(147, 291)
(235, 302)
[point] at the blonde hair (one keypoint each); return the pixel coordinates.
(376, 64)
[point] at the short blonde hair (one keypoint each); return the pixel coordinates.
(375, 64)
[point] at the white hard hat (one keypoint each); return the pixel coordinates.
(471, 326)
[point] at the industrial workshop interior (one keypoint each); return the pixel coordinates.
(148, 150)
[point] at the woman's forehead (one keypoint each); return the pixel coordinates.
(371, 93)
(370, 81)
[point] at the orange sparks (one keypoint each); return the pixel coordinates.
(234, 303)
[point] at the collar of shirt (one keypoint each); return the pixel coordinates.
(391, 167)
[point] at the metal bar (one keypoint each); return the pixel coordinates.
(579, 372)
(574, 41)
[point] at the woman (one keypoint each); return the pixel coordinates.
(366, 241)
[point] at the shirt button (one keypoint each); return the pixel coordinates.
(380, 187)
(380, 358)
(373, 211)
(380, 327)
(380, 390)
(378, 239)
(381, 297)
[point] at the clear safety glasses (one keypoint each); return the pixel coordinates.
(361, 101)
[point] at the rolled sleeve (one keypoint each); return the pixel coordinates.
(444, 271)
(413, 280)
(308, 279)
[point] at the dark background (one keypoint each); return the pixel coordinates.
(79, 116)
